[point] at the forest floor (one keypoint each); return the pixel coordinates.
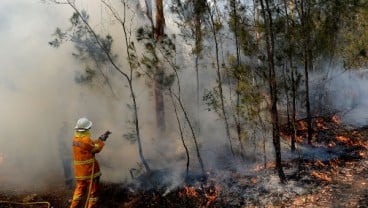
(332, 172)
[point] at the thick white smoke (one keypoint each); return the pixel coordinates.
(39, 95)
(40, 102)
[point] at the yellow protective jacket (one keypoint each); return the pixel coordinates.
(84, 150)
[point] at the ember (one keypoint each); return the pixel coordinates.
(342, 139)
(211, 194)
(321, 176)
(302, 125)
(336, 119)
(189, 191)
(321, 123)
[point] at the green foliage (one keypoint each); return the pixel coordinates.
(86, 76)
(60, 36)
(133, 58)
(91, 49)
(211, 99)
(131, 137)
(355, 40)
(156, 57)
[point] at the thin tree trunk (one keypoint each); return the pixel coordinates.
(273, 88)
(198, 51)
(307, 102)
(237, 116)
(186, 116)
(289, 6)
(308, 61)
(181, 133)
(125, 75)
(219, 78)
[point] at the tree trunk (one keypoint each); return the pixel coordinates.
(198, 50)
(273, 88)
(159, 73)
(307, 62)
(289, 6)
(219, 78)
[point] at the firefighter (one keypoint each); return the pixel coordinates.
(86, 168)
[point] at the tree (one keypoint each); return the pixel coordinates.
(215, 26)
(80, 22)
(153, 63)
(270, 47)
(191, 13)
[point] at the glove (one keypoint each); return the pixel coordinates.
(104, 136)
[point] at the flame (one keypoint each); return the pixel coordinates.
(189, 191)
(342, 139)
(319, 163)
(303, 125)
(321, 176)
(212, 194)
(321, 123)
(334, 163)
(336, 119)
(357, 142)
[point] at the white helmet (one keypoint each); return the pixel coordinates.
(83, 124)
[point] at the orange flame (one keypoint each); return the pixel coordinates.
(321, 124)
(303, 125)
(189, 191)
(212, 194)
(321, 176)
(342, 139)
(336, 119)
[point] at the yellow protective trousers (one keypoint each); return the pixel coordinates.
(81, 192)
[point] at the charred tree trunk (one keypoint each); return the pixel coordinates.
(293, 116)
(308, 61)
(269, 35)
(289, 6)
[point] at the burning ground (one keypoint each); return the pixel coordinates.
(330, 173)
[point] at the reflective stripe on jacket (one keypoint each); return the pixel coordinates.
(84, 149)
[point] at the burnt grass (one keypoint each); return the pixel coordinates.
(338, 181)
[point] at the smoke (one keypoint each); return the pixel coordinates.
(343, 92)
(40, 103)
(39, 95)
